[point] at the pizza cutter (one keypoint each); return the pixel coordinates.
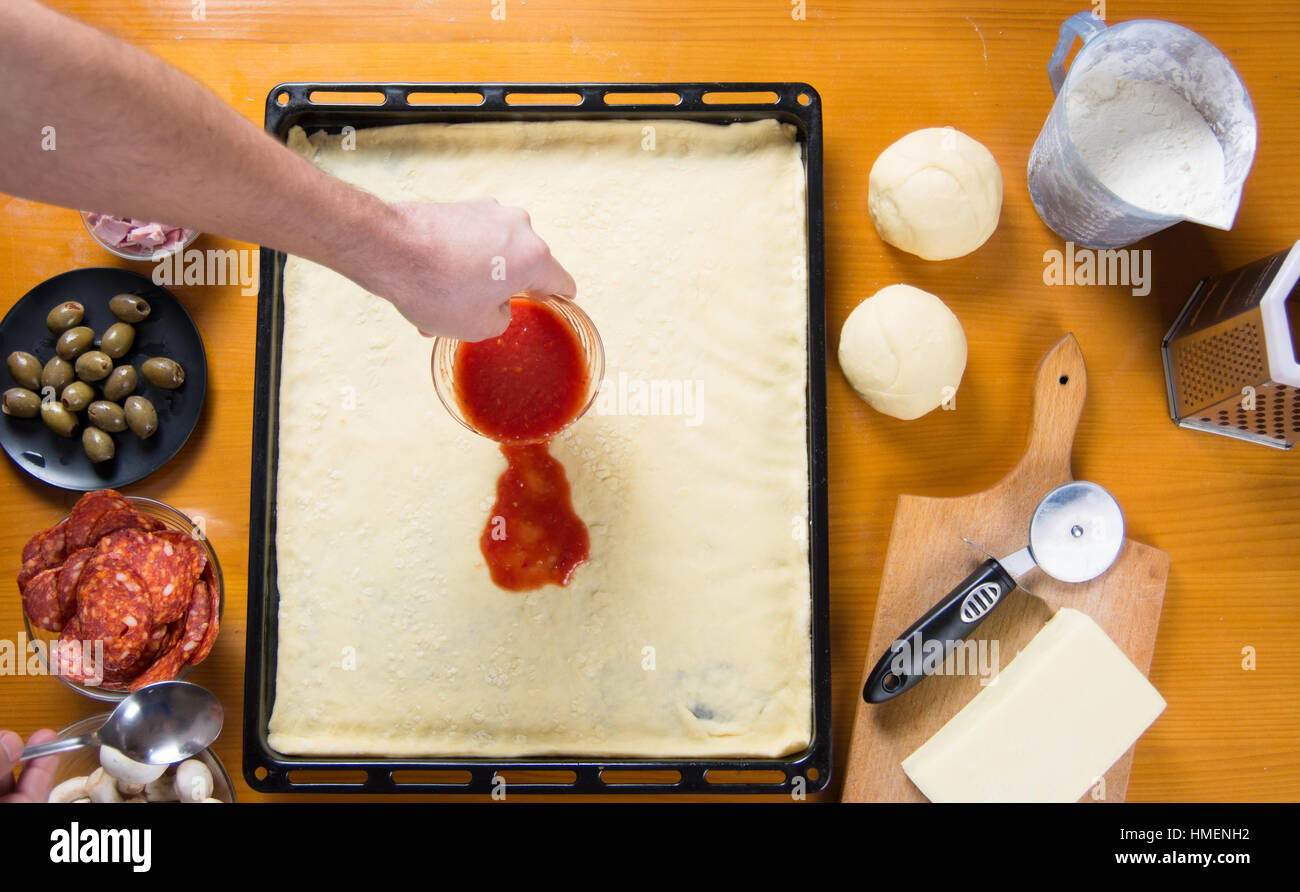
(1075, 534)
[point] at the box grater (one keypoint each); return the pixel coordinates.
(1230, 358)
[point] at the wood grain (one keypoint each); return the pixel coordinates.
(927, 555)
(1226, 512)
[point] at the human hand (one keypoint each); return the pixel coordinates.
(451, 269)
(37, 777)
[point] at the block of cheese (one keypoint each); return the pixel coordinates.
(1057, 717)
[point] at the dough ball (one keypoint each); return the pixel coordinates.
(936, 193)
(902, 349)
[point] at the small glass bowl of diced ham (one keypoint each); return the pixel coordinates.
(136, 239)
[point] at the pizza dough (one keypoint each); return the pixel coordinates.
(935, 193)
(688, 632)
(904, 351)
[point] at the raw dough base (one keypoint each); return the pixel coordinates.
(688, 633)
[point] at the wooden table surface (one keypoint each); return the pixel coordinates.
(1227, 512)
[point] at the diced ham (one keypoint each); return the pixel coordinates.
(137, 236)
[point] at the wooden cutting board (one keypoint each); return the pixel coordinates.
(927, 557)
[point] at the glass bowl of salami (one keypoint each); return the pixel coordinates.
(123, 592)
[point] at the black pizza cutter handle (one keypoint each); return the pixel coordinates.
(928, 641)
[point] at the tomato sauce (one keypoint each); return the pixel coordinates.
(527, 384)
(533, 536)
(521, 389)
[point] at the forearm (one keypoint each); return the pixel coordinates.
(135, 137)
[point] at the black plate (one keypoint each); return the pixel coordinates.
(169, 331)
(270, 771)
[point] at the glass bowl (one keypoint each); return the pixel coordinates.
(172, 520)
(130, 253)
(80, 763)
(444, 359)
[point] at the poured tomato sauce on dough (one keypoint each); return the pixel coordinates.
(521, 389)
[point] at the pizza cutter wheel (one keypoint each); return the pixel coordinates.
(1075, 535)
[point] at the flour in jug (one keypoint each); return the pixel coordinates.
(1146, 143)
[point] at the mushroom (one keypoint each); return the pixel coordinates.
(128, 771)
(82, 799)
(161, 790)
(193, 781)
(129, 789)
(102, 787)
(74, 789)
(214, 799)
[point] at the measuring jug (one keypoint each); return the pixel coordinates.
(1069, 195)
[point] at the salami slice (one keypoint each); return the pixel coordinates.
(127, 544)
(69, 576)
(73, 661)
(113, 606)
(118, 517)
(169, 566)
(165, 668)
(46, 549)
(41, 601)
(190, 548)
(197, 621)
(89, 511)
(202, 590)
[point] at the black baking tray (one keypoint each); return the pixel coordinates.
(267, 770)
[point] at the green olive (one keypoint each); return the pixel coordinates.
(58, 373)
(98, 445)
(77, 396)
(21, 403)
(65, 316)
(25, 369)
(163, 372)
(141, 417)
(59, 419)
(107, 416)
(117, 341)
(74, 342)
(129, 307)
(120, 383)
(94, 366)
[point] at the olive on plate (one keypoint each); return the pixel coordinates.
(141, 417)
(74, 342)
(106, 416)
(77, 396)
(120, 383)
(25, 369)
(129, 307)
(58, 373)
(64, 316)
(59, 419)
(98, 445)
(163, 372)
(117, 340)
(21, 403)
(94, 366)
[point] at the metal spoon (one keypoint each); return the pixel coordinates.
(160, 724)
